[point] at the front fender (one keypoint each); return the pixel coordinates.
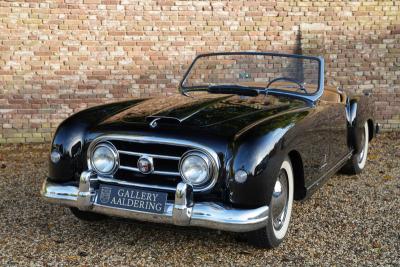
(70, 139)
(260, 153)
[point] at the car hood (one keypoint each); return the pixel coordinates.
(219, 113)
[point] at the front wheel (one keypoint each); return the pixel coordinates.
(357, 162)
(280, 210)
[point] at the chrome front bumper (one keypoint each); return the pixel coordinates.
(181, 212)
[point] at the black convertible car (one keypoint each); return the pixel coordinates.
(248, 134)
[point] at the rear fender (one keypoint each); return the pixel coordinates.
(351, 114)
(358, 111)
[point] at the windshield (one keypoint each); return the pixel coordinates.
(300, 74)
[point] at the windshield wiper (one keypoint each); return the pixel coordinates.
(233, 89)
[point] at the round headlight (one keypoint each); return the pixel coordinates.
(104, 158)
(196, 168)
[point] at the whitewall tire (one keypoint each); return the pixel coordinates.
(357, 162)
(362, 156)
(280, 210)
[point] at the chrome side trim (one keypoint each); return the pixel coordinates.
(181, 212)
(149, 155)
(331, 171)
(154, 172)
(167, 141)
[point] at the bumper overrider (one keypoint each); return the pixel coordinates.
(182, 211)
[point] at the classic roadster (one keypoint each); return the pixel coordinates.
(247, 135)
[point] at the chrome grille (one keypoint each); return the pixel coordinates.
(166, 154)
(131, 166)
(154, 156)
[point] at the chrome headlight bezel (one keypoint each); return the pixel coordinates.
(113, 151)
(211, 169)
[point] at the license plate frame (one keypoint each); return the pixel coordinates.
(131, 198)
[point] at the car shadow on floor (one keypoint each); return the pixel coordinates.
(132, 232)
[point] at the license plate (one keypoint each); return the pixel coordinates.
(131, 198)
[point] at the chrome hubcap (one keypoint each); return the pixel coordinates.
(279, 200)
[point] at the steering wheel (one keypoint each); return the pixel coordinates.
(301, 87)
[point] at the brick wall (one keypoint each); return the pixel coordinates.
(58, 57)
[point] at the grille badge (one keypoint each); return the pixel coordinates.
(145, 164)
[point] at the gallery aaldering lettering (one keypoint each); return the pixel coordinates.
(136, 199)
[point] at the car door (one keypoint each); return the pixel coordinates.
(337, 132)
(314, 144)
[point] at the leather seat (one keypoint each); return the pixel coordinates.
(332, 95)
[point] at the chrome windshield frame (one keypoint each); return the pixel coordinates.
(310, 97)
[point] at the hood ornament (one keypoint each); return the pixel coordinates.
(153, 123)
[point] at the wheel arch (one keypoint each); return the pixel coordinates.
(298, 173)
(370, 129)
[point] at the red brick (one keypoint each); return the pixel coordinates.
(74, 54)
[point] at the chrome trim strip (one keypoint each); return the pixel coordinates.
(149, 155)
(155, 117)
(182, 211)
(327, 173)
(167, 141)
(154, 172)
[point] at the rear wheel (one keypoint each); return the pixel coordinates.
(357, 162)
(280, 210)
(87, 216)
